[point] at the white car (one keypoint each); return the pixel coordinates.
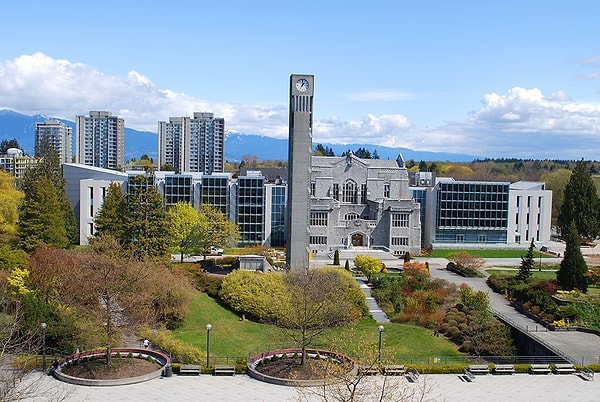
(213, 250)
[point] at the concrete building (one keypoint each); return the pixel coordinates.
(530, 213)
(15, 163)
(299, 170)
(362, 203)
(60, 137)
(100, 140)
(250, 207)
(192, 144)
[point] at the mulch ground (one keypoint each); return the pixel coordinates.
(120, 368)
(291, 368)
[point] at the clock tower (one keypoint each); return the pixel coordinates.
(299, 167)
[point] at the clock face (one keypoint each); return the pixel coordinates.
(302, 85)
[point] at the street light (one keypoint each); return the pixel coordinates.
(44, 326)
(380, 328)
(208, 328)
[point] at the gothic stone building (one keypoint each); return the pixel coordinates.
(362, 203)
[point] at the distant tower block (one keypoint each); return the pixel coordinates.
(299, 167)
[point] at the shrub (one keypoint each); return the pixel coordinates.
(180, 351)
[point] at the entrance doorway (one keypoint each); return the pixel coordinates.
(357, 240)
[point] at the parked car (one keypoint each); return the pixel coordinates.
(214, 250)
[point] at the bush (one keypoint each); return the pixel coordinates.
(180, 351)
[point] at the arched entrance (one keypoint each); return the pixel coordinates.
(357, 240)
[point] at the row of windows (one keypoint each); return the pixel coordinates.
(473, 223)
(399, 241)
(400, 220)
(317, 240)
(318, 219)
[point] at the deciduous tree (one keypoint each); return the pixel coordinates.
(214, 229)
(368, 265)
(183, 220)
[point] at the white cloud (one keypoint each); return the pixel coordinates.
(378, 96)
(522, 123)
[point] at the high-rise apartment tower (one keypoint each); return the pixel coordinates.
(59, 136)
(100, 140)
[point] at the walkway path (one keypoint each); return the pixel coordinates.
(579, 347)
(374, 309)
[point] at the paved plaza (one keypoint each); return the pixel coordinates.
(446, 387)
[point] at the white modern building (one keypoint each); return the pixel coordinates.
(100, 140)
(60, 137)
(192, 144)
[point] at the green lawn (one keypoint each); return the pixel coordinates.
(231, 337)
(509, 253)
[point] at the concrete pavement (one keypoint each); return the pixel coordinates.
(443, 387)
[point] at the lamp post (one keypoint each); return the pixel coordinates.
(44, 326)
(208, 328)
(380, 328)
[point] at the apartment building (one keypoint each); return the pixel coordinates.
(100, 140)
(60, 137)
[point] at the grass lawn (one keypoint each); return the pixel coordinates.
(509, 253)
(545, 274)
(231, 337)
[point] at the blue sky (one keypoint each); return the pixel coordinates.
(489, 78)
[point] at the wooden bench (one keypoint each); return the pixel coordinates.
(504, 369)
(224, 370)
(368, 370)
(468, 376)
(479, 369)
(412, 375)
(587, 374)
(564, 368)
(189, 369)
(540, 369)
(394, 370)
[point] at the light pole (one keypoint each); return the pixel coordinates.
(208, 328)
(380, 328)
(44, 326)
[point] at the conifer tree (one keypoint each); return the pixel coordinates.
(573, 269)
(336, 257)
(526, 264)
(112, 216)
(580, 205)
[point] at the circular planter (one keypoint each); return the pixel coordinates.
(254, 361)
(162, 359)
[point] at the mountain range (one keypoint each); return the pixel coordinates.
(137, 143)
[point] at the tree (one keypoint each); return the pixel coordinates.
(581, 205)
(526, 264)
(466, 260)
(317, 300)
(48, 170)
(336, 257)
(368, 265)
(112, 217)
(146, 230)
(10, 198)
(38, 223)
(557, 181)
(573, 269)
(183, 221)
(214, 229)
(6, 144)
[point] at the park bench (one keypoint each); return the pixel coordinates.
(368, 370)
(564, 368)
(504, 369)
(468, 376)
(412, 375)
(479, 369)
(540, 369)
(394, 370)
(587, 374)
(224, 370)
(189, 369)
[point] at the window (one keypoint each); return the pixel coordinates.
(400, 220)
(336, 191)
(481, 239)
(399, 241)
(363, 193)
(318, 219)
(460, 238)
(318, 240)
(349, 192)
(351, 216)
(312, 188)
(386, 190)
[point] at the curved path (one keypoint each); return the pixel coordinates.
(578, 347)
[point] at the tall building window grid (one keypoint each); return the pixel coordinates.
(318, 218)
(215, 193)
(278, 216)
(400, 220)
(178, 189)
(349, 192)
(480, 205)
(250, 210)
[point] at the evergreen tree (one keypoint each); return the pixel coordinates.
(47, 171)
(38, 223)
(580, 205)
(375, 154)
(319, 150)
(6, 144)
(336, 257)
(573, 269)
(111, 218)
(526, 264)
(146, 230)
